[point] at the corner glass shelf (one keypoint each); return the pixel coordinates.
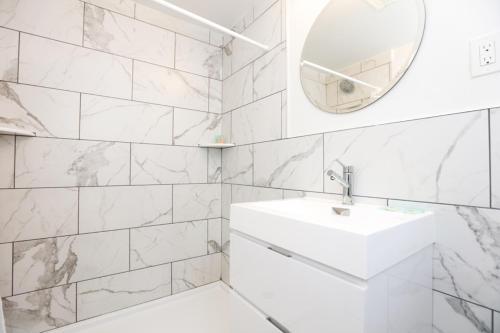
(16, 131)
(216, 145)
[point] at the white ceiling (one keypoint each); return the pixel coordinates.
(224, 12)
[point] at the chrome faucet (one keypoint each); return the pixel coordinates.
(345, 181)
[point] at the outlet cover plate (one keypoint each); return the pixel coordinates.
(478, 69)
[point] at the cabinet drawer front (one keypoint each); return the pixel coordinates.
(300, 297)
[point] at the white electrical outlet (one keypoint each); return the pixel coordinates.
(483, 55)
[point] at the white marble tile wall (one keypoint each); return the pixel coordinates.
(122, 207)
(167, 243)
(495, 157)
(496, 322)
(55, 19)
(108, 31)
(237, 165)
(48, 112)
(132, 121)
(9, 44)
(269, 73)
(196, 272)
(115, 292)
(118, 122)
(237, 89)
(74, 68)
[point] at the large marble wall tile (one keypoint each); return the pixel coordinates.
(38, 213)
(261, 6)
(227, 61)
(74, 68)
(167, 86)
(292, 164)
(495, 157)
(125, 7)
(237, 165)
(226, 237)
(153, 164)
(266, 29)
(237, 89)
(467, 252)
(214, 235)
(192, 273)
(226, 126)
(41, 310)
(172, 22)
(120, 207)
(284, 110)
(257, 122)
(7, 158)
(118, 34)
(214, 165)
(50, 262)
(226, 200)
(120, 120)
(269, 74)
(163, 244)
(42, 162)
(197, 202)
(453, 315)
(9, 48)
(5, 270)
(225, 269)
(496, 322)
(194, 127)
(48, 112)
(198, 57)
(111, 293)
(417, 160)
(242, 193)
(61, 20)
(215, 96)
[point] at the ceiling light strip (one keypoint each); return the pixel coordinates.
(182, 11)
(330, 71)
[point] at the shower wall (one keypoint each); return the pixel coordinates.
(448, 164)
(112, 203)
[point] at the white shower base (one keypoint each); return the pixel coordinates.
(210, 309)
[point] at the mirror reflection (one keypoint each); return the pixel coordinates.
(346, 65)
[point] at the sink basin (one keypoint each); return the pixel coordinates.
(360, 240)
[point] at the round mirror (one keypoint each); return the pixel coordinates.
(357, 50)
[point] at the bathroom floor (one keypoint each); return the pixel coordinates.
(205, 309)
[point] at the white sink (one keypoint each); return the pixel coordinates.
(368, 241)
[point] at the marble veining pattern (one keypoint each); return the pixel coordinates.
(237, 89)
(5, 270)
(56, 19)
(270, 73)
(120, 120)
(163, 244)
(155, 84)
(120, 207)
(73, 68)
(198, 57)
(215, 96)
(37, 213)
(48, 112)
(257, 122)
(453, 315)
(6, 168)
(240, 193)
(153, 164)
(417, 160)
(45, 162)
(214, 235)
(226, 200)
(125, 7)
(103, 295)
(50, 262)
(196, 202)
(9, 43)
(193, 127)
(237, 165)
(192, 273)
(41, 310)
(118, 34)
(495, 157)
(214, 165)
(291, 164)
